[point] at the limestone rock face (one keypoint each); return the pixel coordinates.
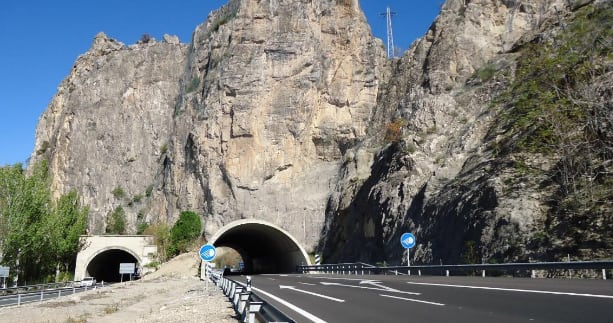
(275, 93)
(288, 111)
(442, 180)
(104, 130)
(250, 120)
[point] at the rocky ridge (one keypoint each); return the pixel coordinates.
(289, 112)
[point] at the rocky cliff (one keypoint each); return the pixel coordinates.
(289, 111)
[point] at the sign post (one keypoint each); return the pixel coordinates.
(407, 240)
(207, 254)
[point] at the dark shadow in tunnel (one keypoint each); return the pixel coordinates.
(105, 266)
(263, 248)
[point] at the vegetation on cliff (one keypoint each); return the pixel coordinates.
(558, 108)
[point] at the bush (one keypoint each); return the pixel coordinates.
(118, 192)
(116, 221)
(185, 231)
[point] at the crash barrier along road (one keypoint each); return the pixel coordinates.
(38, 293)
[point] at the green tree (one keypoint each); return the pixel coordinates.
(25, 205)
(116, 221)
(186, 230)
(63, 227)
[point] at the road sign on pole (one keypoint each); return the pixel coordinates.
(407, 240)
(207, 252)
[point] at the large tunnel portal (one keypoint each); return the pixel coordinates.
(264, 247)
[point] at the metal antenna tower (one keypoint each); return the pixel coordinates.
(390, 35)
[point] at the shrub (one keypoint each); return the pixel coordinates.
(116, 221)
(118, 192)
(185, 231)
(393, 131)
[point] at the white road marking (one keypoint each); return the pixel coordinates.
(386, 289)
(309, 284)
(515, 290)
(295, 308)
(412, 300)
(311, 293)
(337, 278)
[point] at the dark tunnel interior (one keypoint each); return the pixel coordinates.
(264, 249)
(105, 266)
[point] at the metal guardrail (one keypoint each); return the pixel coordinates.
(21, 296)
(37, 287)
(246, 303)
(361, 268)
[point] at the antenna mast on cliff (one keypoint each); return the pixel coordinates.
(390, 35)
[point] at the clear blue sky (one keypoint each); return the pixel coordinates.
(41, 39)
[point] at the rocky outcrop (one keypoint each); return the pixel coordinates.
(445, 178)
(288, 111)
(250, 120)
(106, 128)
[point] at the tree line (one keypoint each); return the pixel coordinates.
(39, 235)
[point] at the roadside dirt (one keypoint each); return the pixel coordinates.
(174, 293)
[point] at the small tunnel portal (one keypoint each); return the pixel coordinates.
(105, 265)
(264, 247)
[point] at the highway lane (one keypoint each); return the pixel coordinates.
(379, 298)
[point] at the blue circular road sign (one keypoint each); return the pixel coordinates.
(208, 252)
(407, 240)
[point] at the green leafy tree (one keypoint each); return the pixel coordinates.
(185, 231)
(63, 227)
(116, 221)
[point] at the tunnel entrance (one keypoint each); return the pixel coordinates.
(263, 247)
(105, 265)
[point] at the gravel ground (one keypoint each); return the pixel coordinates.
(171, 294)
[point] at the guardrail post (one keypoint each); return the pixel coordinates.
(236, 297)
(230, 292)
(254, 307)
(59, 293)
(242, 304)
(604, 274)
(41, 295)
(18, 298)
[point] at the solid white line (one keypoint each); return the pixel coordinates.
(412, 300)
(292, 306)
(338, 278)
(309, 284)
(311, 293)
(515, 290)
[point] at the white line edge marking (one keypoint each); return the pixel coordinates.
(412, 300)
(312, 293)
(309, 284)
(292, 306)
(515, 290)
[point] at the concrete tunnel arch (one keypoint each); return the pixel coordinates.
(104, 264)
(264, 247)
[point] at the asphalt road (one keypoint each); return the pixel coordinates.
(327, 298)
